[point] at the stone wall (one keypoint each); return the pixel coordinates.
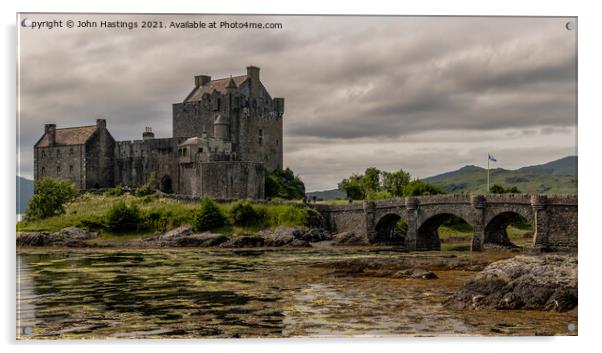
(61, 162)
(554, 218)
(227, 179)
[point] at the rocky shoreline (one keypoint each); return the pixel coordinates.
(184, 236)
(523, 282)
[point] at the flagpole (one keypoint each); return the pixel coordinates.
(488, 173)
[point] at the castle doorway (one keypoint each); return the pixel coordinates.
(165, 185)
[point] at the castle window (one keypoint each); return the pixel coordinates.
(71, 150)
(277, 142)
(201, 150)
(58, 153)
(58, 169)
(43, 153)
(184, 151)
(43, 170)
(70, 169)
(260, 136)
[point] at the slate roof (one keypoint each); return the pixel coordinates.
(215, 85)
(69, 136)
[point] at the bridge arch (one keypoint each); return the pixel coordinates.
(388, 229)
(427, 231)
(497, 225)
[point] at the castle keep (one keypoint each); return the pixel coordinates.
(226, 133)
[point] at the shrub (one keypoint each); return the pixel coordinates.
(147, 188)
(116, 191)
(378, 195)
(244, 214)
(49, 198)
(421, 188)
(208, 216)
(313, 218)
(284, 184)
(122, 217)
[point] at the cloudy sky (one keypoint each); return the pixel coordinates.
(426, 94)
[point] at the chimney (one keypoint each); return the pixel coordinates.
(253, 73)
(101, 123)
(148, 133)
(50, 130)
(201, 80)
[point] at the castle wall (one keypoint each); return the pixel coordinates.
(100, 162)
(224, 180)
(136, 160)
(61, 162)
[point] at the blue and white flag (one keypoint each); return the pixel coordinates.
(492, 158)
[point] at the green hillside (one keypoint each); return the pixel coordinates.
(556, 177)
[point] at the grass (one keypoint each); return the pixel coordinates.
(88, 211)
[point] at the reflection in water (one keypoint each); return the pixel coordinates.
(204, 293)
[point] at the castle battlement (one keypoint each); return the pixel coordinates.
(226, 133)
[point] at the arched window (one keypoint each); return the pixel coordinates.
(58, 169)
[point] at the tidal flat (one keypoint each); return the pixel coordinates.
(257, 293)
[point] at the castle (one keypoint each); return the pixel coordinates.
(226, 134)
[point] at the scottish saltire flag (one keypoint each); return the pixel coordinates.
(492, 158)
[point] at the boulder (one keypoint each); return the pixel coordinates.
(200, 240)
(523, 282)
(245, 241)
(299, 243)
(415, 273)
(349, 238)
(37, 239)
(278, 239)
(175, 233)
(76, 234)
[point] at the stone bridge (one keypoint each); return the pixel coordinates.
(553, 218)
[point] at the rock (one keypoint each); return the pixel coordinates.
(200, 240)
(175, 233)
(76, 234)
(245, 241)
(349, 238)
(38, 239)
(276, 239)
(523, 282)
(299, 243)
(281, 235)
(416, 273)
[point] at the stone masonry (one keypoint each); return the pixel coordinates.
(554, 218)
(227, 133)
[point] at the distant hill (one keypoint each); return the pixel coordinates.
(328, 194)
(24, 193)
(556, 177)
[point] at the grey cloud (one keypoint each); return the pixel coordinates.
(349, 80)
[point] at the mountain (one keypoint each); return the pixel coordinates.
(556, 177)
(328, 194)
(24, 193)
(563, 166)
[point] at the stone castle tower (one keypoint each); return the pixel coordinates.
(226, 133)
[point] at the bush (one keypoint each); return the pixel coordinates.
(421, 188)
(244, 214)
(378, 195)
(283, 184)
(313, 218)
(147, 188)
(208, 216)
(49, 198)
(116, 191)
(122, 217)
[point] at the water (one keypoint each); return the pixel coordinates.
(196, 293)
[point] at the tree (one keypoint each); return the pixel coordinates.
(49, 198)
(353, 187)
(498, 189)
(284, 184)
(371, 180)
(395, 182)
(420, 188)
